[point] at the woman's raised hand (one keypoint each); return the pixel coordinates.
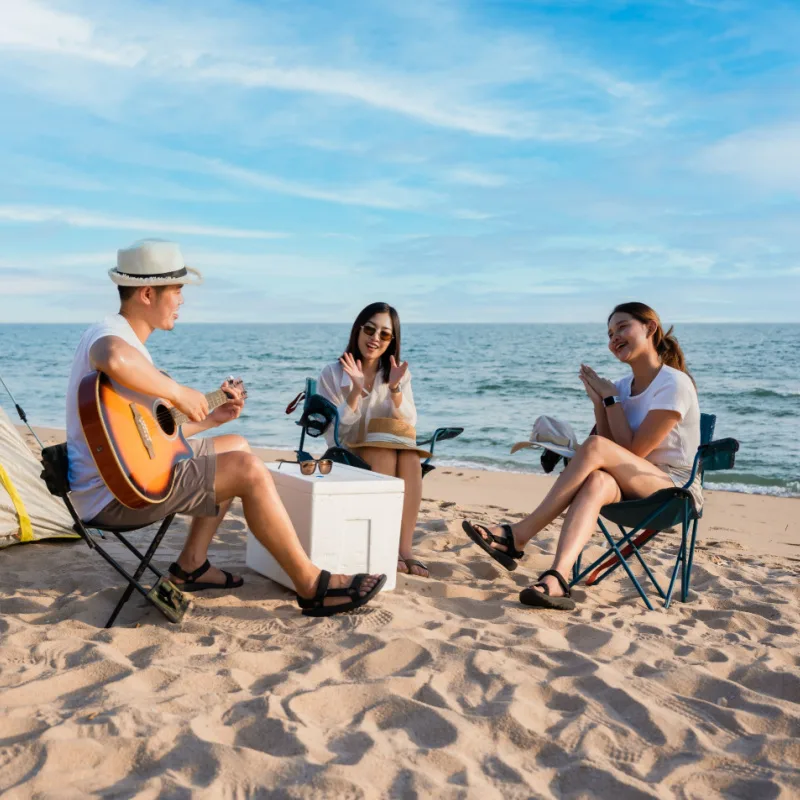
(603, 387)
(397, 372)
(591, 392)
(353, 369)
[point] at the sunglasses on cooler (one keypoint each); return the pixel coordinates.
(309, 466)
(370, 330)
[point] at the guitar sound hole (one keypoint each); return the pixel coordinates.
(165, 420)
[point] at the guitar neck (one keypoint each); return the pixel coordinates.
(215, 400)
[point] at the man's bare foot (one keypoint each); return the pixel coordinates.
(339, 582)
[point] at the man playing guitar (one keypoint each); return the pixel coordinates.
(150, 276)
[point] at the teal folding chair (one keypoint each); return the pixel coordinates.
(641, 520)
(319, 414)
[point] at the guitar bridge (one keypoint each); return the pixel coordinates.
(144, 433)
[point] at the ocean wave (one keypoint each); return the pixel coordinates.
(749, 488)
(758, 392)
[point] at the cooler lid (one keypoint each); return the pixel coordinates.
(342, 479)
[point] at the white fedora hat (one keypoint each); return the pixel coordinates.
(152, 262)
(550, 433)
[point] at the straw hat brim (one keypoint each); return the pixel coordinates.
(392, 446)
(193, 277)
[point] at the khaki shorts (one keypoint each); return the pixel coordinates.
(192, 493)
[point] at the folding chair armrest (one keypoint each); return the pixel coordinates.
(440, 434)
(720, 454)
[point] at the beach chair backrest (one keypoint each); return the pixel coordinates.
(55, 472)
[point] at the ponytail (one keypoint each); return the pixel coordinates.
(666, 344)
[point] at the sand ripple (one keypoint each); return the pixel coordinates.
(446, 688)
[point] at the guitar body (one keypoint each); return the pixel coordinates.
(133, 438)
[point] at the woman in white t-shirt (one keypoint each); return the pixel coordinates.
(648, 431)
(371, 389)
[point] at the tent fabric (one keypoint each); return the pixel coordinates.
(28, 512)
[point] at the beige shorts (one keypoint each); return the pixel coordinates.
(192, 493)
(680, 477)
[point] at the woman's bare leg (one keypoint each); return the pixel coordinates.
(409, 469)
(597, 490)
(387, 462)
(381, 459)
(635, 476)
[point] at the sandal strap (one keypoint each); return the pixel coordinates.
(413, 562)
(190, 577)
(506, 540)
(351, 591)
(559, 577)
(229, 581)
(322, 587)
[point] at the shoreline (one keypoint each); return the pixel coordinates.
(767, 523)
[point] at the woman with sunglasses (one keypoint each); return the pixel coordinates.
(369, 381)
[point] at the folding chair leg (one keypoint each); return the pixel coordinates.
(678, 565)
(626, 567)
(691, 553)
(686, 557)
(143, 565)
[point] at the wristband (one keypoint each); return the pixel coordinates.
(396, 390)
(610, 400)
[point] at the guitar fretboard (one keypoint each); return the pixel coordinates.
(215, 400)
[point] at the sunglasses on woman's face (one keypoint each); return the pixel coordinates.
(309, 466)
(370, 330)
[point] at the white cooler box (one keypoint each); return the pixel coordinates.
(347, 521)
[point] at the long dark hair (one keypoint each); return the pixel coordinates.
(667, 347)
(393, 349)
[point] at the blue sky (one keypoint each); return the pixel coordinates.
(466, 161)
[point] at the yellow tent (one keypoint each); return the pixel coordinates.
(28, 512)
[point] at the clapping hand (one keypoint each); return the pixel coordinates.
(591, 393)
(353, 368)
(231, 410)
(397, 372)
(601, 386)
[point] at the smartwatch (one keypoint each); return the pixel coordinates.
(397, 390)
(610, 400)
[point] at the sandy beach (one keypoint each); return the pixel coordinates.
(446, 687)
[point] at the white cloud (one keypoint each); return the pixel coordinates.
(30, 25)
(472, 176)
(376, 195)
(153, 45)
(767, 157)
(468, 213)
(78, 218)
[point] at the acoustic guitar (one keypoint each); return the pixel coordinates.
(136, 440)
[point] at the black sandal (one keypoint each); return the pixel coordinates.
(507, 558)
(413, 562)
(190, 578)
(315, 606)
(543, 599)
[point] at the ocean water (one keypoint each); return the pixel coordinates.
(493, 380)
